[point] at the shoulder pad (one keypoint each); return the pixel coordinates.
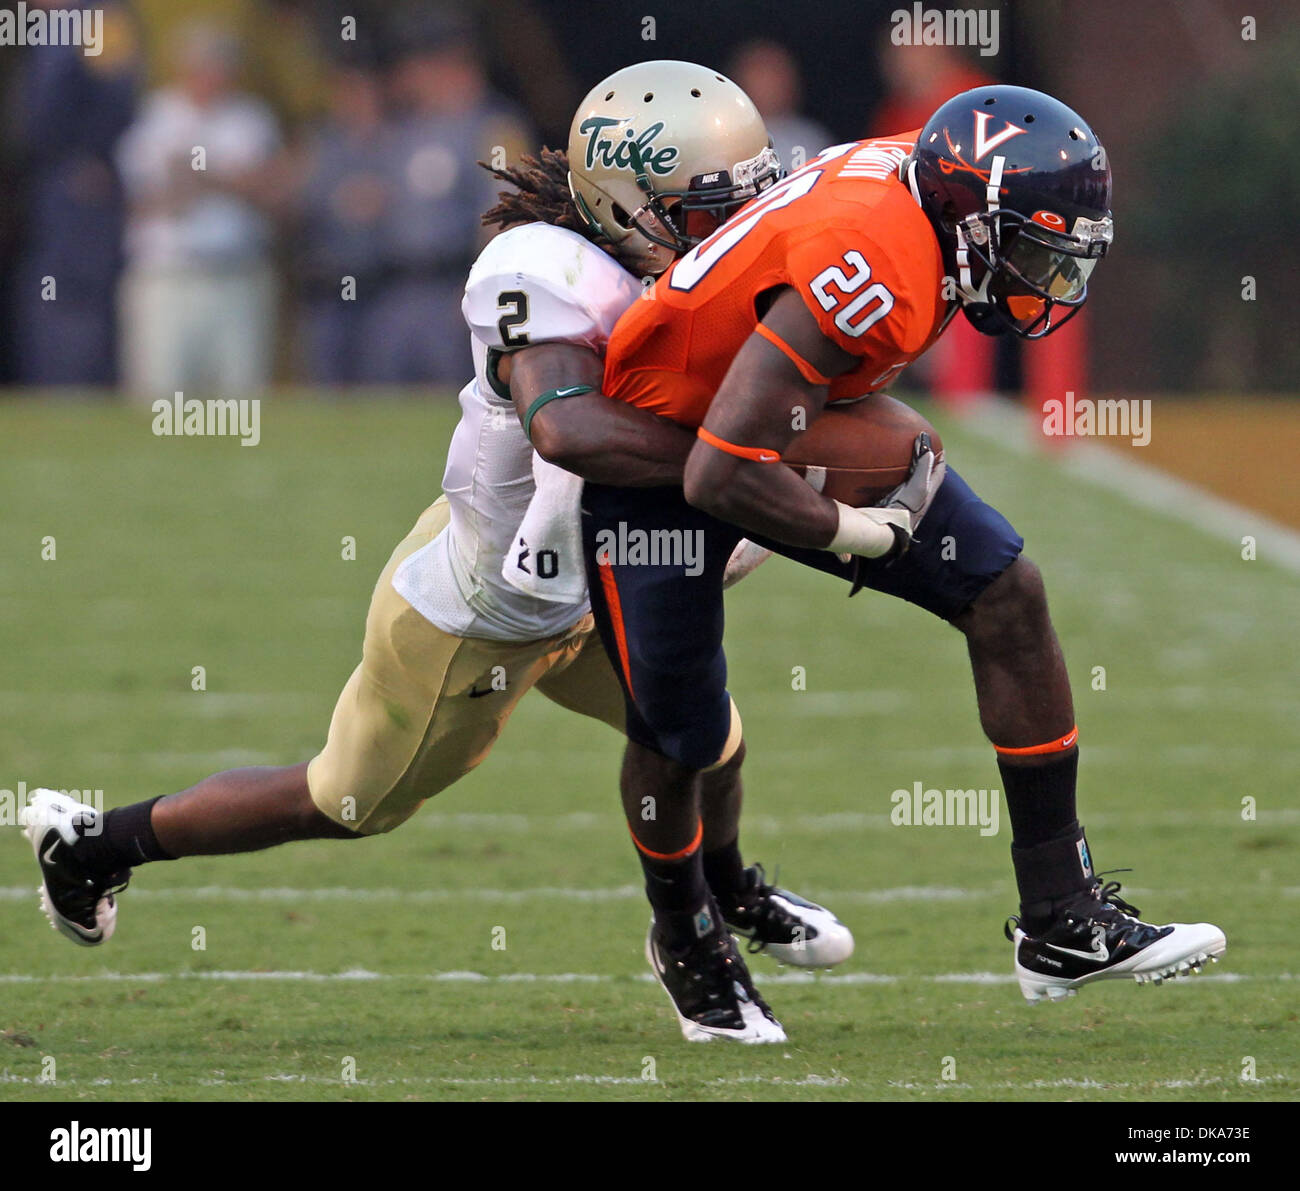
(542, 284)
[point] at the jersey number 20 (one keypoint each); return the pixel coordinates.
(868, 307)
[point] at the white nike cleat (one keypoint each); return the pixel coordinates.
(1100, 937)
(78, 902)
(711, 990)
(788, 927)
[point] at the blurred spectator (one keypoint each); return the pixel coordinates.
(430, 234)
(68, 110)
(345, 196)
(198, 298)
(769, 75)
(919, 79)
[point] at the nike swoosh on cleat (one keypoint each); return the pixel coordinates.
(1097, 957)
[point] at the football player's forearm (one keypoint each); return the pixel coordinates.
(609, 442)
(766, 499)
(605, 441)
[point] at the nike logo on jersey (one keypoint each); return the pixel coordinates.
(475, 693)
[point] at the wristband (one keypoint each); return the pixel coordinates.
(757, 454)
(551, 395)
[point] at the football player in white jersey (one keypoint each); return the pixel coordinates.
(485, 597)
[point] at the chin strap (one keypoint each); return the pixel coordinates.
(993, 201)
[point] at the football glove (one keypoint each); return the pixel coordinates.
(745, 558)
(913, 498)
(916, 493)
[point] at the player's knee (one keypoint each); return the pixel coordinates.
(1013, 604)
(725, 773)
(693, 745)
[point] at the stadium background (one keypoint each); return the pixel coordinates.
(185, 553)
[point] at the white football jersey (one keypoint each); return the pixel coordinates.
(532, 284)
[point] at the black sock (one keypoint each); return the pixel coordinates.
(1040, 798)
(679, 896)
(725, 872)
(125, 840)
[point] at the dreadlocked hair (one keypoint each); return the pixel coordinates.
(541, 195)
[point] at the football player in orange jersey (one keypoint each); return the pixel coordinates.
(819, 290)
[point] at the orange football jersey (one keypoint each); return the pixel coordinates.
(844, 231)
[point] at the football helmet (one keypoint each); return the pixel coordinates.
(1017, 188)
(660, 153)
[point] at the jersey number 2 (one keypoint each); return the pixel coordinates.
(515, 304)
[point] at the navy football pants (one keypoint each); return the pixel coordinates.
(655, 567)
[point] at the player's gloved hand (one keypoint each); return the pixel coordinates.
(916, 493)
(908, 502)
(744, 558)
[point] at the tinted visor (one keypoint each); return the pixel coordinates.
(1047, 270)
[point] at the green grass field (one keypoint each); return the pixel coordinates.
(177, 553)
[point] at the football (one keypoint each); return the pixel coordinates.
(859, 453)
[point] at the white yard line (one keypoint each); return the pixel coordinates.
(363, 976)
(803, 1081)
(282, 894)
(830, 823)
(618, 893)
(1097, 1085)
(838, 822)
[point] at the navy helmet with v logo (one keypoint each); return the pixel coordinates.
(1017, 188)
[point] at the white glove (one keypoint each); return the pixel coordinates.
(745, 558)
(871, 532)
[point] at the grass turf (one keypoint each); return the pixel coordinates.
(179, 553)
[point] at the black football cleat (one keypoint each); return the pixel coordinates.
(711, 990)
(788, 927)
(78, 902)
(1101, 937)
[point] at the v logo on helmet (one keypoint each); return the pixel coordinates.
(617, 154)
(983, 143)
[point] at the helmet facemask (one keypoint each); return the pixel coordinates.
(668, 216)
(1029, 270)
